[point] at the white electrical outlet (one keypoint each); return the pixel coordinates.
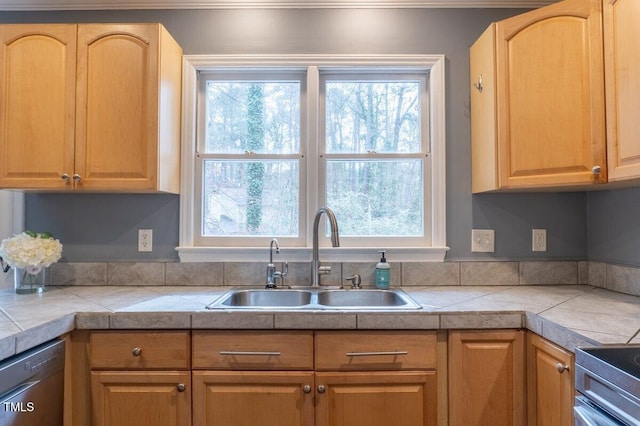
(539, 239)
(145, 239)
(483, 240)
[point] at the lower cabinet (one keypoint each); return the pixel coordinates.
(325, 378)
(487, 377)
(247, 398)
(405, 398)
(550, 383)
(140, 378)
(126, 398)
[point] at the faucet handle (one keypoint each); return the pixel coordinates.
(356, 281)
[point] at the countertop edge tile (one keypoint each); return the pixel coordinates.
(7, 346)
(316, 320)
(31, 337)
(150, 320)
(481, 320)
(232, 320)
(382, 321)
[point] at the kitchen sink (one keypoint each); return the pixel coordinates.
(266, 298)
(314, 298)
(363, 298)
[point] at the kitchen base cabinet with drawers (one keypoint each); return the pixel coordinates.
(316, 378)
(327, 378)
(140, 378)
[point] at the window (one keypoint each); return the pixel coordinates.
(269, 140)
(249, 158)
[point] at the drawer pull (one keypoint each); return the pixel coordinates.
(249, 353)
(390, 353)
(181, 387)
(136, 351)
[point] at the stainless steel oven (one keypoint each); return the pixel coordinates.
(608, 386)
(32, 386)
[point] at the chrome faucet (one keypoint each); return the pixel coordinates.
(272, 273)
(316, 269)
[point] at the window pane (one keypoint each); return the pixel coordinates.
(258, 116)
(381, 116)
(250, 198)
(376, 198)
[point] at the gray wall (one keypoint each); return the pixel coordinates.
(103, 227)
(614, 226)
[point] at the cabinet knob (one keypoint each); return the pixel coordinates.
(478, 85)
(321, 389)
(77, 177)
(596, 170)
(136, 351)
(65, 177)
(181, 387)
(561, 367)
(306, 389)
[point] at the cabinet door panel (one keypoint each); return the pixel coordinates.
(404, 398)
(487, 378)
(117, 106)
(37, 89)
(230, 398)
(550, 384)
(621, 44)
(141, 398)
(549, 74)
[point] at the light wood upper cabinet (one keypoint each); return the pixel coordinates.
(37, 115)
(550, 384)
(487, 378)
(537, 100)
(622, 78)
(91, 107)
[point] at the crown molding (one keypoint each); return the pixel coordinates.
(33, 5)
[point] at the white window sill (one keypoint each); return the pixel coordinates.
(298, 254)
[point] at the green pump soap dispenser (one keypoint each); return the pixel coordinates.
(383, 272)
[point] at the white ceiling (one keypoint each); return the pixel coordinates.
(7, 5)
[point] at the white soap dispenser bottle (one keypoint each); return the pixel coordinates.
(383, 272)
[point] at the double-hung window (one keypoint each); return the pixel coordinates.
(269, 140)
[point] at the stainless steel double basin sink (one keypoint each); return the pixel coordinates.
(314, 298)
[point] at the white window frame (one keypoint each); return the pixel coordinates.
(434, 64)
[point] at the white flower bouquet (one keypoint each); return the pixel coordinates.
(31, 251)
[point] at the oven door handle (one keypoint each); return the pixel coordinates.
(586, 414)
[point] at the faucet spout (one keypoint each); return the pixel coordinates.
(271, 267)
(316, 269)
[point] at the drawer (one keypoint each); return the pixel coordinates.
(375, 350)
(136, 350)
(253, 350)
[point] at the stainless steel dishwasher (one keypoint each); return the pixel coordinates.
(32, 386)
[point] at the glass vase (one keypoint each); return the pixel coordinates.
(25, 282)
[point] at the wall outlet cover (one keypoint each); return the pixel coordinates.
(539, 240)
(483, 240)
(145, 239)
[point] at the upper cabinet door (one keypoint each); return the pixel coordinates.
(117, 106)
(549, 71)
(37, 91)
(537, 105)
(622, 66)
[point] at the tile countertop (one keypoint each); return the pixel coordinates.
(569, 315)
